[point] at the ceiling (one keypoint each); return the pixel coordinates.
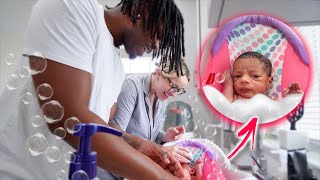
(295, 12)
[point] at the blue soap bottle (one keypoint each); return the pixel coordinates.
(84, 167)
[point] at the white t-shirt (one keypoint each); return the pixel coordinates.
(74, 33)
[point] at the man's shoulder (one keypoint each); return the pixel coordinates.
(75, 7)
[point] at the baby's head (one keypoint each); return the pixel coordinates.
(251, 74)
(202, 161)
(188, 170)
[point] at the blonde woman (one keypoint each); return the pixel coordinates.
(141, 105)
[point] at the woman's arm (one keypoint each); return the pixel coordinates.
(126, 103)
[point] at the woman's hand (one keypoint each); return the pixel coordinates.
(182, 154)
(172, 133)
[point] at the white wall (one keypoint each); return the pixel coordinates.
(293, 11)
(14, 15)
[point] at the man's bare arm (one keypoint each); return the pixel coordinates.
(152, 150)
(72, 88)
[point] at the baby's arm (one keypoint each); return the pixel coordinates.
(228, 86)
(293, 88)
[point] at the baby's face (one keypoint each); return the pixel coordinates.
(250, 77)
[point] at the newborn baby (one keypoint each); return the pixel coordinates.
(251, 75)
(208, 162)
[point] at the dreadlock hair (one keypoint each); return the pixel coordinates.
(164, 20)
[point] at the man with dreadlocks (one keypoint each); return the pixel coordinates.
(79, 40)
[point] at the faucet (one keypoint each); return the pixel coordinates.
(260, 165)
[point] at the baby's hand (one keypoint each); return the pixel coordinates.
(228, 78)
(293, 88)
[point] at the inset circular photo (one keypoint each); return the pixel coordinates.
(254, 66)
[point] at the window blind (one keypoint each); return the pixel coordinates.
(310, 121)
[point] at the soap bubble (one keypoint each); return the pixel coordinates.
(218, 172)
(37, 144)
(216, 175)
(191, 125)
(13, 82)
(10, 59)
(195, 110)
(200, 122)
(52, 111)
(208, 161)
(69, 157)
(44, 91)
(38, 64)
(27, 98)
(213, 176)
(232, 169)
(60, 133)
(193, 98)
(79, 175)
(62, 175)
(219, 159)
(197, 135)
(36, 121)
(220, 77)
(24, 72)
(186, 114)
(53, 154)
(210, 131)
(70, 123)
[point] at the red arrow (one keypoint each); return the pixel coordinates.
(249, 128)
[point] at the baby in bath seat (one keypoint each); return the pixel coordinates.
(215, 165)
(251, 75)
(244, 94)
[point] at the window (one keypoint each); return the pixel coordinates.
(310, 121)
(139, 65)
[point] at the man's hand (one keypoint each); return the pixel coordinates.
(162, 156)
(172, 133)
(157, 153)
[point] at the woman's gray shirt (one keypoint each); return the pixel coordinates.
(134, 111)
